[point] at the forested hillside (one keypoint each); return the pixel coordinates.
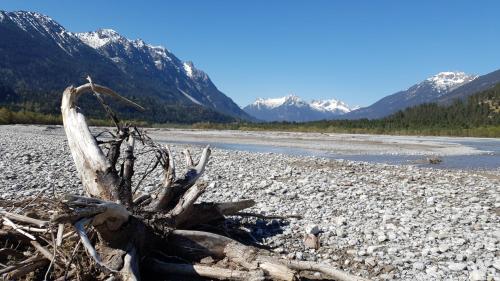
(478, 116)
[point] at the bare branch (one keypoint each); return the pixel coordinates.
(171, 194)
(25, 219)
(188, 158)
(18, 229)
(80, 230)
(125, 192)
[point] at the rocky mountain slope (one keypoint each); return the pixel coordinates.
(39, 57)
(429, 90)
(481, 83)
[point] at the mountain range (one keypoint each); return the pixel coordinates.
(442, 88)
(293, 108)
(39, 58)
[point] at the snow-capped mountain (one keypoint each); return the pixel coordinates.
(429, 90)
(445, 82)
(479, 84)
(34, 45)
(332, 106)
(293, 108)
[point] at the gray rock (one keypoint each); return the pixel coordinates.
(312, 229)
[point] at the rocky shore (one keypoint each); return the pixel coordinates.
(379, 221)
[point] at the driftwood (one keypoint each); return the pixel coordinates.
(126, 235)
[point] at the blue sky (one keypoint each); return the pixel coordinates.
(356, 51)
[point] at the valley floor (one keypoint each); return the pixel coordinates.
(379, 221)
(347, 144)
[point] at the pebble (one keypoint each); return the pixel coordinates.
(382, 238)
(443, 248)
(370, 262)
(496, 264)
(477, 275)
(419, 266)
(454, 266)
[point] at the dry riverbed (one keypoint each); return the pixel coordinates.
(347, 144)
(378, 221)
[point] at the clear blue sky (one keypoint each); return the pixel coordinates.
(357, 51)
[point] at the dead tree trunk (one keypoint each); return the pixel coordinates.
(133, 234)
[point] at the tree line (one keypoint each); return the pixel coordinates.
(478, 115)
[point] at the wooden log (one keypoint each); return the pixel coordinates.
(197, 244)
(202, 271)
(328, 270)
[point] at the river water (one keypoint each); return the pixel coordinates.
(488, 160)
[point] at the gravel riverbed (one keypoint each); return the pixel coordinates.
(379, 221)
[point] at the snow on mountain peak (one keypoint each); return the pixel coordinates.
(448, 80)
(99, 38)
(331, 105)
(276, 102)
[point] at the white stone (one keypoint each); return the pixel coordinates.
(419, 266)
(457, 266)
(443, 248)
(460, 257)
(382, 238)
(340, 220)
(496, 264)
(477, 275)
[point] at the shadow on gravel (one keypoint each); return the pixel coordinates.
(249, 231)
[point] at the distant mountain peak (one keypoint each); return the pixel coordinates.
(276, 102)
(331, 105)
(448, 80)
(25, 20)
(294, 108)
(101, 37)
(429, 90)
